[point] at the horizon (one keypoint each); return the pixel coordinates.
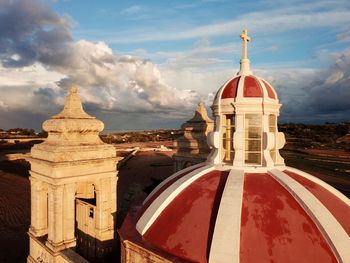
(112, 131)
(146, 66)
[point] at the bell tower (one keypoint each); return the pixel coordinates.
(73, 188)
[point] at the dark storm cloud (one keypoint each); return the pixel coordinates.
(323, 97)
(331, 94)
(31, 32)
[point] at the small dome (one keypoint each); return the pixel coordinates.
(206, 214)
(246, 87)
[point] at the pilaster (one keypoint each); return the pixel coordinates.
(38, 225)
(239, 142)
(268, 142)
(55, 218)
(104, 214)
(69, 214)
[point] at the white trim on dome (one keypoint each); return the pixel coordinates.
(168, 195)
(334, 233)
(263, 87)
(240, 88)
(221, 90)
(272, 88)
(171, 178)
(225, 246)
(321, 183)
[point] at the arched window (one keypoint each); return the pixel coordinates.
(273, 129)
(228, 128)
(253, 139)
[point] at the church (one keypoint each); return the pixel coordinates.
(242, 204)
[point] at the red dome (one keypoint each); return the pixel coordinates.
(210, 215)
(253, 87)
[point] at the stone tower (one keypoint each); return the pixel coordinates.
(192, 147)
(73, 188)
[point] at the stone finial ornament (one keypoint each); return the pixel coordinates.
(73, 107)
(73, 125)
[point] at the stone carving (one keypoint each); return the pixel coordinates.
(192, 147)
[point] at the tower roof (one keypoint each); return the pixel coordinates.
(73, 135)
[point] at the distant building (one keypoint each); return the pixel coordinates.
(243, 204)
(192, 147)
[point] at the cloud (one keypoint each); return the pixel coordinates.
(344, 37)
(120, 83)
(131, 10)
(330, 93)
(314, 95)
(201, 56)
(30, 32)
(270, 22)
(307, 95)
(40, 60)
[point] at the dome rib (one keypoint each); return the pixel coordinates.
(185, 227)
(165, 184)
(331, 228)
(332, 202)
(225, 246)
(269, 89)
(163, 200)
(275, 227)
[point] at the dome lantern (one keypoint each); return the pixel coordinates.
(246, 109)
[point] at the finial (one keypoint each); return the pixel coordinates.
(73, 107)
(246, 39)
(73, 89)
(245, 67)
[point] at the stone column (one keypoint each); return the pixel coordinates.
(38, 225)
(239, 141)
(55, 222)
(268, 141)
(69, 215)
(104, 216)
(114, 182)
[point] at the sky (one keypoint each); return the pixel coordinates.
(146, 64)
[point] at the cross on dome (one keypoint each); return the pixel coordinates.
(244, 36)
(245, 67)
